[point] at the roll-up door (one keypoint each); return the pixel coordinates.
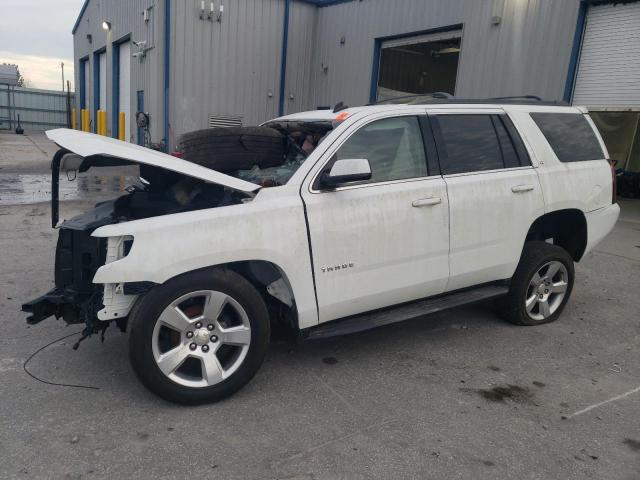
(609, 69)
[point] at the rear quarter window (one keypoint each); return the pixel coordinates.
(570, 136)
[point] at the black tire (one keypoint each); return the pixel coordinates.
(234, 148)
(145, 313)
(534, 256)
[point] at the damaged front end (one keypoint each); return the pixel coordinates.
(220, 168)
(167, 185)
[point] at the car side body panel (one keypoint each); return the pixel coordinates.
(584, 185)
(489, 223)
(274, 227)
(270, 228)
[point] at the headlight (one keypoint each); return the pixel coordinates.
(118, 248)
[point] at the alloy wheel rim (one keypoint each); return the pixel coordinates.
(547, 290)
(201, 338)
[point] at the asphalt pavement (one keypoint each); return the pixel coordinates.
(456, 395)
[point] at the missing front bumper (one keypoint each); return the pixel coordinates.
(53, 303)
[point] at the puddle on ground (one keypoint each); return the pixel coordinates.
(21, 189)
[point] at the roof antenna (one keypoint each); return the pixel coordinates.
(340, 106)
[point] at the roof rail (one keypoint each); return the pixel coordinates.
(446, 98)
(518, 97)
(441, 95)
(414, 98)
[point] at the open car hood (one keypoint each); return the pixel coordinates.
(99, 150)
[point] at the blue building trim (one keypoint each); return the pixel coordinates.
(377, 51)
(575, 51)
(325, 3)
(96, 89)
(115, 84)
(115, 89)
(82, 10)
(83, 82)
(167, 72)
(283, 62)
(140, 108)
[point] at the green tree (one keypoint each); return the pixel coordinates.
(22, 82)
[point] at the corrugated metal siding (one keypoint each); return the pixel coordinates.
(231, 68)
(126, 18)
(344, 71)
(302, 28)
(38, 109)
(527, 53)
(609, 69)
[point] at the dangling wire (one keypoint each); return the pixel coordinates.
(24, 366)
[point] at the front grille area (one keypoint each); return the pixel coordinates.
(78, 256)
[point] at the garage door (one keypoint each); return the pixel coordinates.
(124, 86)
(609, 69)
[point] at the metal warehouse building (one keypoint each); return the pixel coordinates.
(193, 64)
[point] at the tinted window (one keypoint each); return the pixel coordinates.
(393, 147)
(523, 155)
(467, 143)
(509, 154)
(570, 136)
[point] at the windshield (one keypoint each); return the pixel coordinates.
(302, 139)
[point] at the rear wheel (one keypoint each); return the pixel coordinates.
(199, 337)
(540, 287)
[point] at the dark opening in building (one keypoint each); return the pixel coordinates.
(419, 65)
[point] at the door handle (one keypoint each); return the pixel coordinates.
(522, 188)
(425, 202)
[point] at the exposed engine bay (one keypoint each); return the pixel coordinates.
(265, 156)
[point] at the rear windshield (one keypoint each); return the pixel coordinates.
(570, 136)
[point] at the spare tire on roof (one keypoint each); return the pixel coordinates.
(229, 149)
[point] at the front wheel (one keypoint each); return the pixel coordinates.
(199, 337)
(540, 287)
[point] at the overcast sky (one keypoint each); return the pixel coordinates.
(36, 35)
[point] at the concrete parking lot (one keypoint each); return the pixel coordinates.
(459, 394)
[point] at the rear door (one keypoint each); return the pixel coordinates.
(494, 193)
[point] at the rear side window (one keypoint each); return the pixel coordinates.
(506, 145)
(570, 136)
(467, 143)
(478, 142)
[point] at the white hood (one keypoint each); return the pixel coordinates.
(89, 144)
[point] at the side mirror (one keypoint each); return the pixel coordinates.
(346, 171)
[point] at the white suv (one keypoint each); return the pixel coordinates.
(331, 222)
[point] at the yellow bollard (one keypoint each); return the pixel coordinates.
(98, 122)
(73, 118)
(121, 127)
(85, 120)
(104, 122)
